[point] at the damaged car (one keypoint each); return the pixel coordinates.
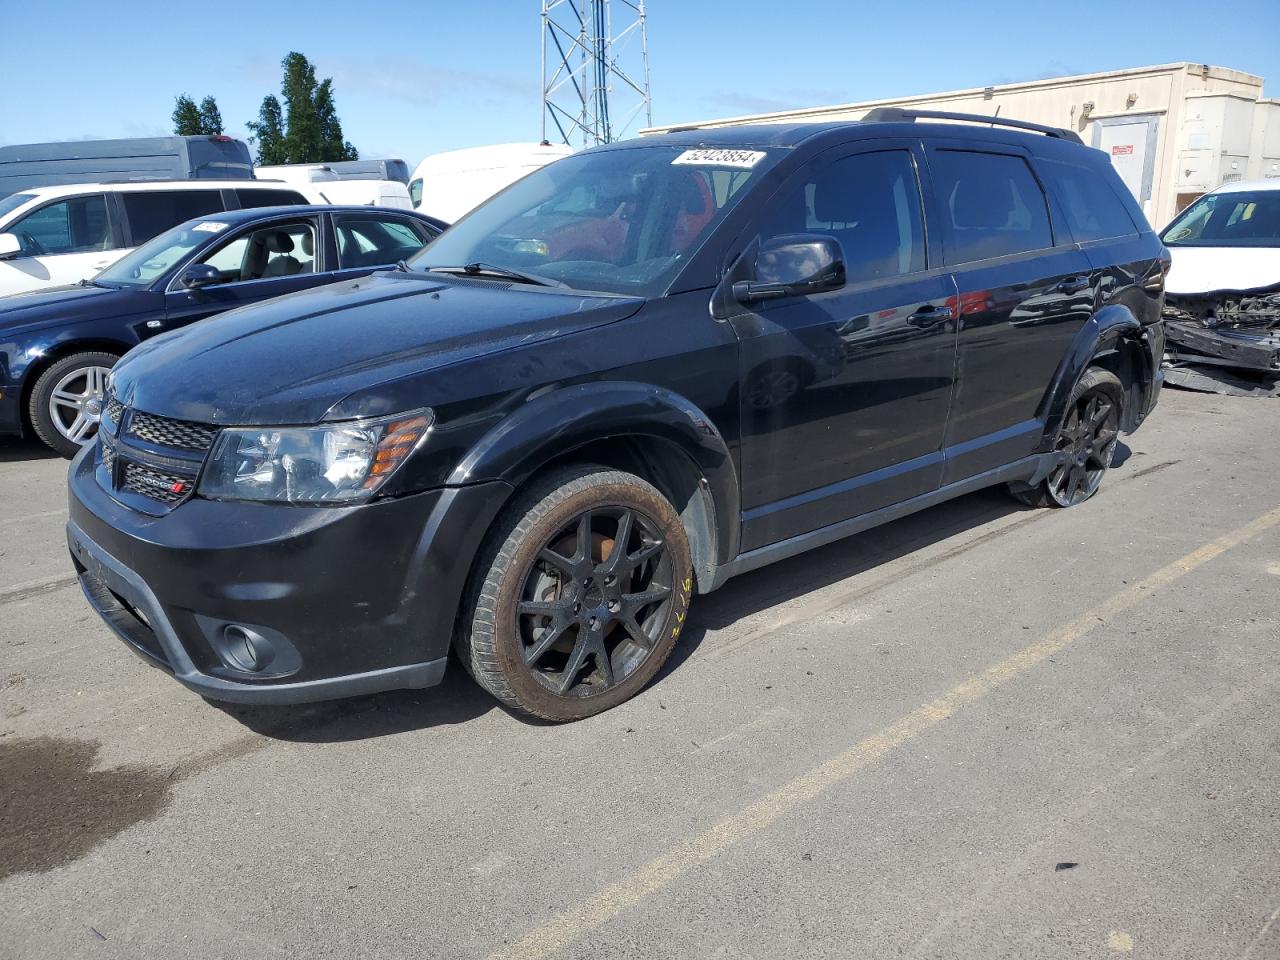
(1222, 295)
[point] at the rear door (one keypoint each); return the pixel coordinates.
(845, 393)
(149, 213)
(377, 239)
(257, 263)
(1025, 290)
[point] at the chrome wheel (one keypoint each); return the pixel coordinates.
(1085, 445)
(75, 405)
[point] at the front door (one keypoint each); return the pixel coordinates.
(844, 394)
(256, 264)
(62, 242)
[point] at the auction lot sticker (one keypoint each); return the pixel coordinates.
(210, 226)
(740, 159)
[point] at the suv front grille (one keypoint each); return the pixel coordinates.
(165, 487)
(112, 413)
(164, 432)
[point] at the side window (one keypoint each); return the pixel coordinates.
(280, 250)
(268, 198)
(367, 240)
(870, 202)
(993, 203)
(1093, 210)
(152, 212)
(415, 193)
(74, 225)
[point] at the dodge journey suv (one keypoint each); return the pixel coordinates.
(632, 375)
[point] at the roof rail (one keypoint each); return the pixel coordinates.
(898, 114)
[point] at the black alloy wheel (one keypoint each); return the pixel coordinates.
(594, 601)
(1085, 444)
(580, 596)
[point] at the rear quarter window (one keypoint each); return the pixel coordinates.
(992, 205)
(1090, 203)
(268, 198)
(152, 212)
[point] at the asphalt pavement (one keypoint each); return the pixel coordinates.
(983, 732)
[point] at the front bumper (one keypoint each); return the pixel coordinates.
(334, 601)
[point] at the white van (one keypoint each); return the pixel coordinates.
(52, 236)
(340, 188)
(448, 185)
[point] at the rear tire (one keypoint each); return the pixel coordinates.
(66, 401)
(580, 596)
(1085, 443)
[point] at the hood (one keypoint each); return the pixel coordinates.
(1211, 269)
(56, 305)
(291, 359)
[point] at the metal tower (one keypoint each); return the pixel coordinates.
(595, 76)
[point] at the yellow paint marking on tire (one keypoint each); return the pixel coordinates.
(665, 869)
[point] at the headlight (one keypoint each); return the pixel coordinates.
(335, 462)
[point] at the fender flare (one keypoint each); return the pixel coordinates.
(562, 420)
(1102, 331)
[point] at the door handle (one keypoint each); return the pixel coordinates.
(930, 316)
(1073, 285)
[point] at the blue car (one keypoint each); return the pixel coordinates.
(57, 346)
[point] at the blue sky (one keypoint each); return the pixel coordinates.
(415, 78)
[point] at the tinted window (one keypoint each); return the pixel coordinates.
(1233, 219)
(1093, 210)
(152, 212)
(280, 250)
(366, 240)
(269, 198)
(76, 225)
(870, 203)
(993, 204)
(625, 221)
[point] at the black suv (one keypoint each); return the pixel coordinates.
(630, 376)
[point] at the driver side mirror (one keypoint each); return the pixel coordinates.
(10, 246)
(794, 265)
(200, 275)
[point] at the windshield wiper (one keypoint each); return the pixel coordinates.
(481, 268)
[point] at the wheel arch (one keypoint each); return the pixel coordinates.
(60, 351)
(1112, 338)
(647, 430)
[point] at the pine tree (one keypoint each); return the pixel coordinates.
(186, 117)
(192, 121)
(301, 124)
(305, 128)
(332, 146)
(210, 117)
(268, 132)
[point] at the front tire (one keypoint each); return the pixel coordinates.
(1085, 444)
(580, 597)
(66, 401)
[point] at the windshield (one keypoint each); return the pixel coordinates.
(153, 259)
(619, 221)
(1243, 219)
(12, 203)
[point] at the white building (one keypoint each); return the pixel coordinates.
(1173, 131)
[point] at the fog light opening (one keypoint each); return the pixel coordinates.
(243, 649)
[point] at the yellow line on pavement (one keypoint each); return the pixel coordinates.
(686, 856)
